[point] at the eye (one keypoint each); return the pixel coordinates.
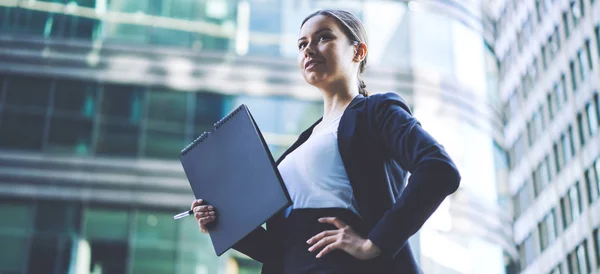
(301, 45)
(324, 37)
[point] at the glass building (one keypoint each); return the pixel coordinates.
(97, 98)
(548, 52)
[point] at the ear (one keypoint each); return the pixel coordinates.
(360, 52)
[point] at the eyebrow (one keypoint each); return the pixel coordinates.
(318, 31)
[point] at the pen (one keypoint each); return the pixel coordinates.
(183, 214)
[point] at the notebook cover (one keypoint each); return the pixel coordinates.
(232, 169)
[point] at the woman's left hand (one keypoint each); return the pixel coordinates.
(344, 238)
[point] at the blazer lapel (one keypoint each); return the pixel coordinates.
(346, 130)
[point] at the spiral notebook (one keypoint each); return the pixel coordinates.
(231, 168)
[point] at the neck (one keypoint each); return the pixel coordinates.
(336, 97)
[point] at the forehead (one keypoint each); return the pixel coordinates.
(318, 22)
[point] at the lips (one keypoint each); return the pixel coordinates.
(311, 64)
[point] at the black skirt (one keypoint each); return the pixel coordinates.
(302, 224)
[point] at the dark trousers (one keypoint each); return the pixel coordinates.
(302, 224)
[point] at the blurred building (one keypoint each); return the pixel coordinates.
(548, 52)
(97, 98)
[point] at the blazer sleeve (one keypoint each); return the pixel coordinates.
(256, 245)
(433, 174)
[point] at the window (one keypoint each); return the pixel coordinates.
(543, 56)
(581, 60)
(581, 125)
(523, 199)
(592, 119)
(537, 10)
(571, 205)
(575, 12)
(597, 32)
(16, 225)
(571, 141)
(209, 109)
(588, 54)
(597, 245)
(573, 75)
(565, 19)
(547, 230)
(107, 232)
(14, 135)
(122, 103)
(557, 156)
(581, 259)
(75, 98)
(166, 123)
(155, 241)
(566, 152)
(574, 199)
(549, 103)
(28, 92)
(592, 184)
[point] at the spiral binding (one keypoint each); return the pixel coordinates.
(227, 117)
(204, 135)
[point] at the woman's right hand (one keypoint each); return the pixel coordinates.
(204, 214)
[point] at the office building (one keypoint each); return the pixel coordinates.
(98, 97)
(548, 55)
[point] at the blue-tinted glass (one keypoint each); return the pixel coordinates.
(169, 37)
(21, 130)
(86, 3)
(55, 218)
(117, 140)
(106, 224)
(84, 28)
(153, 260)
(210, 108)
(70, 135)
(121, 101)
(109, 257)
(162, 144)
(75, 98)
(28, 92)
(167, 106)
(13, 253)
(43, 256)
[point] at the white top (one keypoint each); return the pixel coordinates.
(314, 173)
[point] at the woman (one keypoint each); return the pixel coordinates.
(345, 174)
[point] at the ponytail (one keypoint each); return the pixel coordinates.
(362, 88)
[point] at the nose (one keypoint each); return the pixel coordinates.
(308, 50)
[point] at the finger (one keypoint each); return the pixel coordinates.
(333, 220)
(196, 203)
(321, 235)
(203, 208)
(323, 242)
(329, 248)
(206, 220)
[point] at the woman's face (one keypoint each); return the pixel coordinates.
(325, 54)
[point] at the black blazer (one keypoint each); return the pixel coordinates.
(380, 142)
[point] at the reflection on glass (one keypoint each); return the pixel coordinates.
(12, 252)
(74, 98)
(117, 140)
(51, 254)
(107, 232)
(154, 243)
(70, 135)
(164, 144)
(121, 101)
